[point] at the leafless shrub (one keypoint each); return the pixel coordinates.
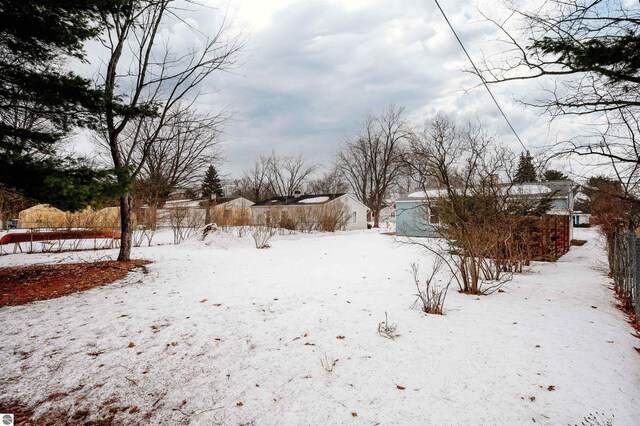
(304, 220)
(332, 217)
(241, 231)
(482, 222)
(286, 222)
(430, 295)
(184, 221)
(144, 234)
(262, 234)
(388, 330)
(328, 363)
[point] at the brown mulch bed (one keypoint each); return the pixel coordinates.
(21, 413)
(26, 284)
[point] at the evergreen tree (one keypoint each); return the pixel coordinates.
(553, 175)
(40, 102)
(211, 183)
(526, 171)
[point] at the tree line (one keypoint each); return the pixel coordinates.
(142, 106)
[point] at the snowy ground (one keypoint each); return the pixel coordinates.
(224, 333)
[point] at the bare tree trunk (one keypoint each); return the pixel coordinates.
(153, 216)
(156, 83)
(376, 216)
(126, 227)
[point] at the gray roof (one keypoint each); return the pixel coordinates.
(561, 188)
(302, 200)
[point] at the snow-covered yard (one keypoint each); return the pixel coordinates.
(223, 333)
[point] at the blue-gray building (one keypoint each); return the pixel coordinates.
(414, 217)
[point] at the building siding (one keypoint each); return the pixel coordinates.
(412, 220)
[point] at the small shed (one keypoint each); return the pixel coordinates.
(41, 216)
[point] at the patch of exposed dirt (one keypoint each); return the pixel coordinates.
(26, 284)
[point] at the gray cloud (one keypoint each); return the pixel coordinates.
(312, 74)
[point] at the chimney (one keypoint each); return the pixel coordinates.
(297, 193)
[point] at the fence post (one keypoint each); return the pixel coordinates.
(636, 283)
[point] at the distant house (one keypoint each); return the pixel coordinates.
(415, 217)
(581, 219)
(232, 211)
(224, 210)
(327, 212)
(182, 210)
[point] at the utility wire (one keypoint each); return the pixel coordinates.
(480, 75)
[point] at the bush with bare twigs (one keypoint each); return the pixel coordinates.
(262, 234)
(184, 222)
(144, 234)
(387, 329)
(484, 224)
(431, 295)
(332, 217)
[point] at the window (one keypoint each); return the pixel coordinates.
(354, 216)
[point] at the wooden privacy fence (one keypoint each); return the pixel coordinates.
(543, 238)
(550, 237)
(624, 262)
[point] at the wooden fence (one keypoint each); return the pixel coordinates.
(550, 237)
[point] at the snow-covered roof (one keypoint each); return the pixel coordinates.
(301, 200)
(181, 203)
(315, 200)
(562, 188)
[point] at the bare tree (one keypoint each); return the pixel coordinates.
(144, 77)
(186, 145)
(584, 53)
(331, 182)
(285, 174)
(241, 187)
(254, 184)
(373, 160)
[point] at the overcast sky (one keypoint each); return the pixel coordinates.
(312, 70)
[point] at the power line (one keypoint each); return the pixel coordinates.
(480, 75)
